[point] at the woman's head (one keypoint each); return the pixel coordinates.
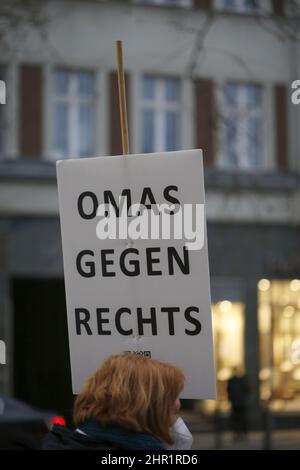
(132, 391)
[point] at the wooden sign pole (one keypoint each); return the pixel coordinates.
(122, 98)
(124, 128)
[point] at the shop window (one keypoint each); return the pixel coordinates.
(279, 330)
(228, 333)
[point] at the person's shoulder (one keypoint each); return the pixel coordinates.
(62, 438)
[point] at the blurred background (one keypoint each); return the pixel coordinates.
(210, 74)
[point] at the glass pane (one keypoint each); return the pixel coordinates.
(172, 130)
(254, 142)
(86, 131)
(251, 5)
(253, 95)
(231, 142)
(241, 5)
(279, 331)
(148, 131)
(148, 88)
(172, 89)
(231, 93)
(61, 82)
(86, 83)
(228, 320)
(61, 130)
(229, 4)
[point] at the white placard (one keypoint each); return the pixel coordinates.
(150, 296)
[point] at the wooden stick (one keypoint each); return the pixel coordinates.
(122, 98)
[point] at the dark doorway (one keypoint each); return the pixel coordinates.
(42, 374)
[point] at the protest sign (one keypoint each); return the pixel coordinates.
(131, 291)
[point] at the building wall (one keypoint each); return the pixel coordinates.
(157, 40)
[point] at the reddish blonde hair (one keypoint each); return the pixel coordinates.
(134, 392)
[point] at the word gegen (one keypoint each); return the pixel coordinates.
(130, 262)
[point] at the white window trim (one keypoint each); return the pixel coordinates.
(13, 145)
(135, 78)
(100, 134)
(268, 148)
(187, 117)
(10, 112)
(101, 122)
(48, 152)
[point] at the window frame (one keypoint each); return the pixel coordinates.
(223, 161)
(270, 313)
(160, 106)
(73, 101)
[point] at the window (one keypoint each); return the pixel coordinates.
(279, 331)
(160, 114)
(242, 125)
(74, 113)
(242, 6)
(228, 320)
(228, 332)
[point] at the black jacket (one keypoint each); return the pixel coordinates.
(238, 391)
(61, 438)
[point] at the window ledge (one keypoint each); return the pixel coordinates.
(222, 179)
(27, 169)
(214, 179)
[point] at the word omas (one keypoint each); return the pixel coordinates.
(146, 220)
(116, 262)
